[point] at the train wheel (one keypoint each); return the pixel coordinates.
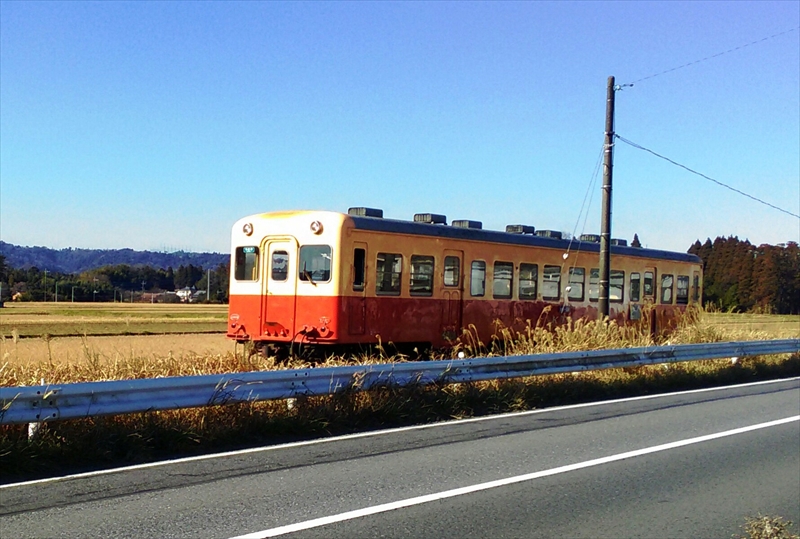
(280, 352)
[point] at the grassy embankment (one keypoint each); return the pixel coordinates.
(97, 442)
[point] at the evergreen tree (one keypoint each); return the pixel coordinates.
(738, 276)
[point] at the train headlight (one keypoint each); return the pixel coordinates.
(247, 229)
(316, 227)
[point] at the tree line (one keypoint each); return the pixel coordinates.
(120, 282)
(738, 276)
(79, 260)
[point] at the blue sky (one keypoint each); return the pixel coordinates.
(157, 125)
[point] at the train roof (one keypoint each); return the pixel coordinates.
(379, 224)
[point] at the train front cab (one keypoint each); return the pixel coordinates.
(284, 287)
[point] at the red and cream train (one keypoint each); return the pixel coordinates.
(327, 278)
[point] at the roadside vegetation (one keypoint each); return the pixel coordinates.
(61, 447)
(767, 527)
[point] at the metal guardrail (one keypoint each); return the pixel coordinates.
(71, 401)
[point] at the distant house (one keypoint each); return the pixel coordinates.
(191, 295)
(186, 293)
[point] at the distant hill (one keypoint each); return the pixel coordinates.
(79, 260)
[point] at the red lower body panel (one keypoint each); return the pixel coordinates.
(372, 320)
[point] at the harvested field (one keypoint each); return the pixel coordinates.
(776, 326)
(75, 350)
(23, 320)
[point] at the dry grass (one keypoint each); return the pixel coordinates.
(767, 527)
(696, 326)
(88, 358)
(94, 442)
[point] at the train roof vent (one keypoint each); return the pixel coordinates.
(555, 234)
(592, 238)
(619, 242)
(520, 229)
(365, 212)
(432, 218)
(466, 223)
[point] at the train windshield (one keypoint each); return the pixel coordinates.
(315, 263)
(246, 263)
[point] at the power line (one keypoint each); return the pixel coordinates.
(637, 146)
(711, 57)
(588, 196)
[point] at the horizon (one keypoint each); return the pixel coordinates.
(157, 251)
(162, 124)
(227, 253)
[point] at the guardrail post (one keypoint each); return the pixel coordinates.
(33, 428)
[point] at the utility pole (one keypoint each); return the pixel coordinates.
(208, 287)
(45, 286)
(605, 218)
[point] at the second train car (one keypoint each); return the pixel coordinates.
(329, 279)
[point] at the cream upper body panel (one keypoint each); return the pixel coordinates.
(286, 232)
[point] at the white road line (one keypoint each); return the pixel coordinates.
(370, 434)
(317, 522)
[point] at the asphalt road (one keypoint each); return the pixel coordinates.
(692, 464)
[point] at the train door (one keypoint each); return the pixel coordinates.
(357, 300)
(696, 290)
(453, 285)
(635, 296)
(279, 297)
(649, 296)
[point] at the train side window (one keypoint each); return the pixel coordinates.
(315, 263)
(551, 283)
(577, 279)
(279, 266)
(452, 270)
(421, 275)
(528, 279)
(388, 271)
(636, 283)
(477, 280)
(616, 286)
(648, 284)
(594, 284)
(502, 280)
(682, 291)
(246, 264)
(666, 289)
(696, 289)
(359, 267)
